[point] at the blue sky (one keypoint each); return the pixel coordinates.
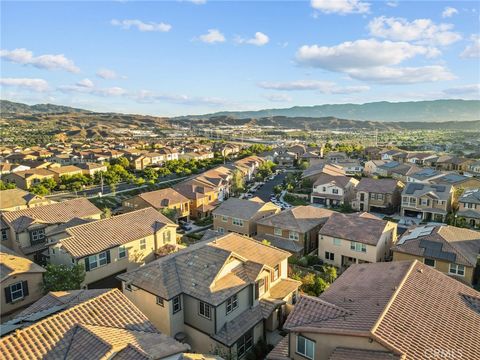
(189, 57)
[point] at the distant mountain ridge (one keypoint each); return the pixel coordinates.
(384, 111)
(10, 107)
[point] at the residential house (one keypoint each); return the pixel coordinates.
(314, 171)
(17, 199)
(114, 245)
(396, 170)
(160, 200)
(240, 216)
(427, 202)
(218, 178)
(474, 168)
(333, 189)
(425, 176)
(286, 158)
(419, 158)
(370, 167)
(294, 230)
(199, 155)
(85, 324)
(248, 166)
(372, 153)
(168, 153)
(378, 195)
(458, 181)
(393, 155)
(7, 168)
(27, 228)
(21, 281)
(203, 198)
(453, 163)
(347, 239)
(351, 167)
(91, 168)
(140, 162)
(220, 296)
(469, 207)
(335, 157)
(393, 310)
(26, 179)
(68, 170)
(451, 250)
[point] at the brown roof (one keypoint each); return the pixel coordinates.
(27, 173)
(97, 328)
(342, 353)
(354, 227)
(163, 198)
(94, 237)
(51, 214)
(280, 351)
(298, 218)
(17, 197)
(65, 169)
(339, 180)
(13, 264)
(382, 186)
(405, 306)
(240, 208)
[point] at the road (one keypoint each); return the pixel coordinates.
(266, 190)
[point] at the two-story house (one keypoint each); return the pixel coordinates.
(27, 178)
(427, 202)
(378, 195)
(219, 296)
(17, 199)
(451, 250)
(392, 310)
(21, 281)
(348, 239)
(203, 198)
(240, 216)
(294, 230)
(27, 228)
(370, 167)
(333, 190)
(469, 207)
(68, 170)
(160, 200)
(112, 246)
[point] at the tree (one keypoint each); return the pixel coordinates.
(303, 165)
(150, 174)
(172, 214)
(107, 213)
(238, 182)
(6, 186)
(122, 161)
(63, 277)
(40, 190)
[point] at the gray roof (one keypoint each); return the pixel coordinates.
(440, 192)
(299, 218)
(239, 208)
(471, 196)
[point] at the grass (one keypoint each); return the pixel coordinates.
(295, 200)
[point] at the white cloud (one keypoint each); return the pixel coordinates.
(419, 30)
(147, 96)
(87, 83)
(340, 6)
(106, 74)
(449, 12)
(141, 26)
(471, 89)
(472, 51)
(198, 2)
(393, 4)
(86, 86)
(212, 36)
(402, 75)
(38, 85)
(49, 62)
(259, 39)
(278, 97)
(326, 87)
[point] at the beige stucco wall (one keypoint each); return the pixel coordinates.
(35, 291)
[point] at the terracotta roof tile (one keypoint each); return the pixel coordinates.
(163, 198)
(342, 353)
(13, 264)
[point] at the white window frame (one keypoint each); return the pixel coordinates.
(306, 349)
(224, 218)
(456, 270)
(221, 230)
(335, 191)
(143, 244)
(358, 247)
(276, 272)
(176, 307)
(16, 291)
(237, 222)
(277, 231)
(159, 301)
(167, 237)
(329, 255)
(37, 235)
(293, 235)
(102, 259)
(232, 303)
(122, 252)
(4, 234)
(205, 310)
(92, 259)
(337, 241)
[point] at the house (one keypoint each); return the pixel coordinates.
(7, 168)
(347, 239)
(351, 167)
(372, 153)
(451, 250)
(336, 157)
(114, 245)
(91, 168)
(425, 176)
(458, 181)
(21, 281)
(168, 153)
(220, 295)
(393, 155)
(160, 200)
(27, 228)
(27, 178)
(240, 216)
(249, 165)
(68, 170)
(474, 168)
(218, 178)
(453, 163)
(397, 170)
(427, 202)
(333, 189)
(203, 198)
(393, 310)
(469, 207)
(419, 158)
(378, 195)
(314, 171)
(140, 162)
(198, 155)
(371, 166)
(294, 230)
(286, 158)
(85, 324)
(17, 199)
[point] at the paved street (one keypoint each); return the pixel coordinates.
(267, 189)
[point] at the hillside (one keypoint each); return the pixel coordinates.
(10, 107)
(421, 111)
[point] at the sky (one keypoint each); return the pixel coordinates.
(171, 58)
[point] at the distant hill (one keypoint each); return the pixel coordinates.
(384, 111)
(10, 107)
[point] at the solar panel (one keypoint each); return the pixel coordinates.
(440, 188)
(434, 250)
(412, 187)
(416, 232)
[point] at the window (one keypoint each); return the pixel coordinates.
(259, 288)
(92, 260)
(232, 303)
(334, 191)
(221, 230)
(244, 344)
(16, 291)
(456, 269)
(177, 304)
(277, 231)
(293, 235)
(329, 256)
(429, 262)
(324, 189)
(4, 235)
(102, 259)
(166, 237)
(276, 272)
(337, 242)
(205, 310)
(237, 222)
(37, 236)
(224, 218)
(128, 287)
(305, 347)
(359, 247)
(143, 244)
(53, 251)
(122, 252)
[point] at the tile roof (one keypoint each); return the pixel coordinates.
(232, 330)
(339, 180)
(298, 218)
(239, 208)
(471, 196)
(51, 214)
(96, 328)
(94, 237)
(65, 169)
(346, 226)
(292, 246)
(284, 288)
(382, 186)
(163, 198)
(17, 197)
(439, 192)
(342, 353)
(13, 264)
(280, 351)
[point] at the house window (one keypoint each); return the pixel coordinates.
(329, 256)
(429, 262)
(334, 191)
(160, 301)
(337, 242)
(37, 236)
(305, 347)
(232, 303)
(259, 288)
(166, 237)
(277, 231)
(92, 260)
(102, 259)
(244, 344)
(221, 230)
(16, 291)
(205, 310)
(293, 235)
(177, 304)
(4, 235)
(224, 218)
(237, 222)
(359, 247)
(324, 189)
(456, 269)
(276, 272)
(122, 252)
(143, 244)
